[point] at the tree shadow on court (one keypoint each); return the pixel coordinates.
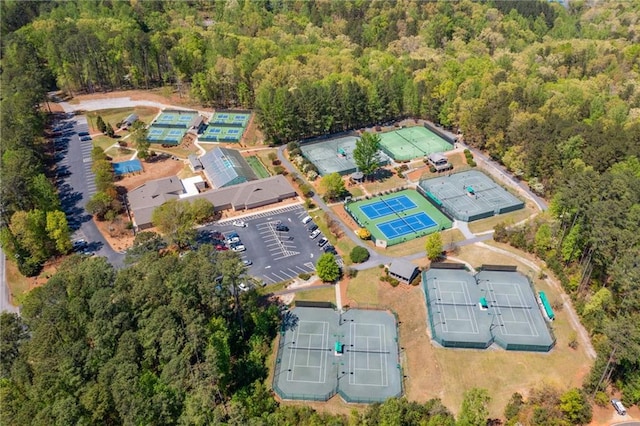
(289, 321)
(380, 175)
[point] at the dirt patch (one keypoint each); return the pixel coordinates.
(344, 216)
(153, 170)
(165, 95)
(117, 234)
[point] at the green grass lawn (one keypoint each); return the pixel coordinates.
(257, 166)
(510, 218)
(364, 287)
(104, 142)
(263, 155)
(327, 294)
(115, 115)
(356, 192)
(344, 244)
(119, 154)
(391, 182)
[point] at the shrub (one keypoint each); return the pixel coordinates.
(306, 190)
(293, 145)
(279, 170)
(359, 254)
(308, 203)
(363, 234)
(304, 276)
(601, 399)
(295, 152)
(276, 162)
(352, 273)
(393, 282)
(432, 169)
(466, 152)
(272, 156)
(472, 163)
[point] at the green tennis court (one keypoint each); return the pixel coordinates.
(258, 167)
(220, 133)
(175, 118)
(239, 119)
(412, 142)
(398, 217)
(322, 352)
(165, 135)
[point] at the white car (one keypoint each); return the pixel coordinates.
(233, 240)
(239, 223)
(314, 234)
(247, 262)
(243, 287)
(238, 247)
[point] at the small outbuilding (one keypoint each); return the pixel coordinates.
(128, 122)
(439, 161)
(403, 270)
(194, 163)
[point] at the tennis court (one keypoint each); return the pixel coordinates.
(323, 352)
(398, 217)
(412, 142)
(469, 195)
(126, 167)
(469, 311)
(218, 133)
(165, 135)
(174, 118)
(258, 167)
(335, 155)
(239, 119)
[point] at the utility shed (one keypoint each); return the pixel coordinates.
(403, 270)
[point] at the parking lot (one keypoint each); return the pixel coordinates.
(275, 255)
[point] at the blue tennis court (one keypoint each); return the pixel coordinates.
(405, 225)
(175, 132)
(385, 207)
(233, 131)
(155, 132)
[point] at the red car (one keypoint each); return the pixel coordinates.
(221, 248)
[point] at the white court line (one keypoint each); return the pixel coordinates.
(472, 318)
(443, 316)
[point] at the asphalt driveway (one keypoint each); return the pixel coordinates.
(275, 255)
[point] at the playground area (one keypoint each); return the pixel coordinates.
(398, 217)
(412, 142)
(469, 196)
(497, 305)
(335, 155)
(127, 167)
(323, 352)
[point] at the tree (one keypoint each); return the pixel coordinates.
(367, 153)
(576, 407)
(333, 186)
(101, 125)
(139, 133)
(327, 268)
(359, 254)
(433, 246)
(474, 410)
(175, 220)
(202, 210)
(58, 230)
(99, 204)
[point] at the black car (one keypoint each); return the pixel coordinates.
(312, 227)
(282, 228)
(330, 249)
(83, 134)
(323, 241)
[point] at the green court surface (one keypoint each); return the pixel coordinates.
(469, 195)
(258, 167)
(335, 155)
(383, 217)
(322, 352)
(412, 142)
(239, 119)
(165, 135)
(221, 133)
(175, 118)
(467, 311)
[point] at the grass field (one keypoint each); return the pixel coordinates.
(364, 287)
(391, 182)
(119, 154)
(327, 294)
(257, 166)
(115, 115)
(263, 155)
(344, 245)
(418, 244)
(104, 142)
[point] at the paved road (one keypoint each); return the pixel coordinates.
(5, 300)
(76, 183)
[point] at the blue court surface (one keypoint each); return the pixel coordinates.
(125, 167)
(405, 225)
(386, 207)
(155, 132)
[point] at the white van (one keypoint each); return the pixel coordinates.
(306, 219)
(619, 407)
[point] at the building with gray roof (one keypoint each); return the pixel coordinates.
(403, 270)
(225, 167)
(145, 198)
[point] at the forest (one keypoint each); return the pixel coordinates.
(550, 92)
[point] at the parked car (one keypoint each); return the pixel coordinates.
(238, 247)
(79, 244)
(330, 249)
(314, 234)
(282, 228)
(247, 262)
(313, 227)
(85, 138)
(306, 219)
(243, 287)
(221, 247)
(323, 241)
(619, 407)
(233, 238)
(239, 223)
(83, 134)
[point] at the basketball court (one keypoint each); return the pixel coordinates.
(323, 352)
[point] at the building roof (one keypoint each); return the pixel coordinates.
(225, 167)
(402, 268)
(196, 122)
(131, 118)
(194, 162)
(251, 194)
(437, 157)
(155, 192)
